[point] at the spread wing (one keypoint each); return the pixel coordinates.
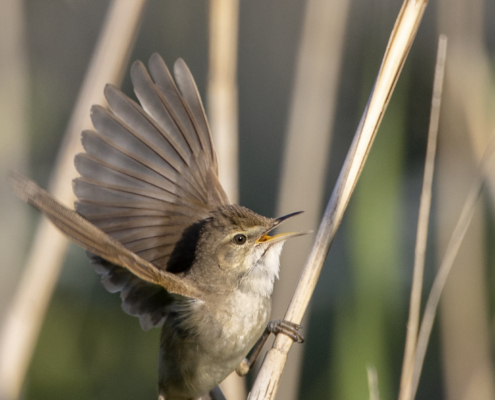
(149, 172)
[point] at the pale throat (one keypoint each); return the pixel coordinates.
(263, 267)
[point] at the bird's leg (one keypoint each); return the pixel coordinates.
(245, 366)
(216, 394)
(280, 326)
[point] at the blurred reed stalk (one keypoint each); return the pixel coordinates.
(223, 116)
(14, 81)
(422, 230)
(307, 149)
(28, 308)
(465, 127)
(462, 225)
(400, 41)
(222, 90)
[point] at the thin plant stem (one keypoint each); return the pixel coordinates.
(446, 265)
(423, 218)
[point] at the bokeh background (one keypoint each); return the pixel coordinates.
(89, 349)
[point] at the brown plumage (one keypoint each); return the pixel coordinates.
(159, 228)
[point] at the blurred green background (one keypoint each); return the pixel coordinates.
(89, 349)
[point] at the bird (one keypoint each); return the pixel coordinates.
(159, 228)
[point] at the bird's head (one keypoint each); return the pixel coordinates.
(235, 250)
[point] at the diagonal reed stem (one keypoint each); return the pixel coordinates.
(400, 41)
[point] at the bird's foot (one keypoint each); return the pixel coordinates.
(287, 328)
(280, 326)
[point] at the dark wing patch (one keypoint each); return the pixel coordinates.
(139, 298)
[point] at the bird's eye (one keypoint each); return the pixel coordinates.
(239, 239)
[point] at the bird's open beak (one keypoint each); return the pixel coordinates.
(281, 236)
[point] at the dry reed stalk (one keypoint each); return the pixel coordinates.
(223, 116)
(14, 81)
(422, 230)
(23, 322)
(311, 117)
(447, 262)
(401, 39)
(222, 90)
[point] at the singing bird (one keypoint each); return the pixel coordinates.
(159, 228)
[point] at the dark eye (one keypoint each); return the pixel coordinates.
(239, 239)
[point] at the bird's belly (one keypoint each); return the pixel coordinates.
(195, 363)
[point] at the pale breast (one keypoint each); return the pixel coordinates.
(244, 319)
(214, 341)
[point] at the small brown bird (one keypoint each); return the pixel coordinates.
(159, 228)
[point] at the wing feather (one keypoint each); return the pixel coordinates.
(189, 91)
(171, 98)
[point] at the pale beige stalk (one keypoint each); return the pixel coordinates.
(222, 91)
(223, 116)
(14, 81)
(26, 313)
(423, 219)
(401, 39)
